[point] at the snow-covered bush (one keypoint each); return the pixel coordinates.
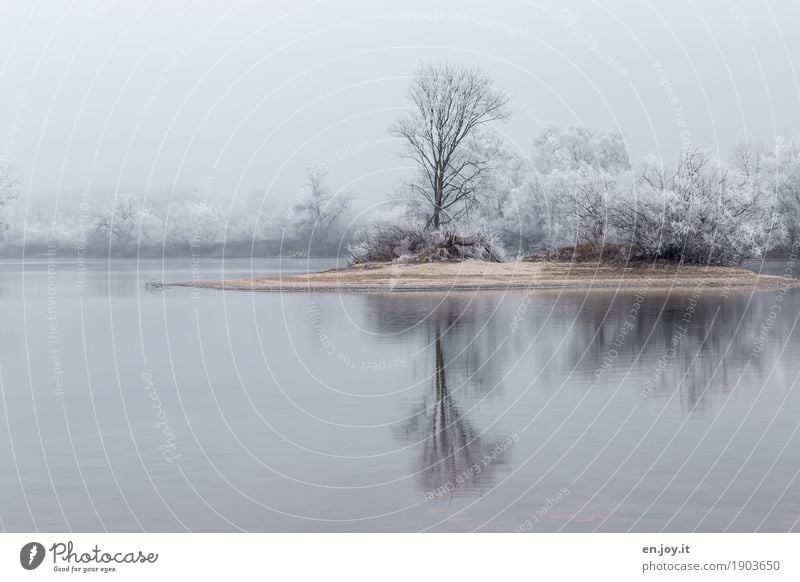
(564, 194)
(458, 241)
(386, 235)
(399, 234)
(699, 211)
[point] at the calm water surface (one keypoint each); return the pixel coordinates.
(130, 410)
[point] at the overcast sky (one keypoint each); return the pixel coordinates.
(144, 96)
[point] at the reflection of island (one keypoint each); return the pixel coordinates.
(696, 346)
(454, 457)
(693, 346)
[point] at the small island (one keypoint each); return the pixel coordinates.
(477, 215)
(475, 275)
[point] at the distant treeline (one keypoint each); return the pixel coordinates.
(575, 186)
(189, 224)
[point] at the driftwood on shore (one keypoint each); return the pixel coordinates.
(455, 248)
(154, 284)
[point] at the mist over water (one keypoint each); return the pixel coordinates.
(128, 410)
(143, 144)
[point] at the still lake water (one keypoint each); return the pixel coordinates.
(130, 410)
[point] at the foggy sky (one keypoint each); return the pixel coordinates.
(149, 96)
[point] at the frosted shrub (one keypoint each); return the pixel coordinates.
(700, 211)
(565, 193)
(400, 235)
(386, 235)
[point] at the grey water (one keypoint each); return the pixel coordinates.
(124, 409)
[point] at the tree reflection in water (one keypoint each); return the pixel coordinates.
(455, 457)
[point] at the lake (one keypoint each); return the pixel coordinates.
(125, 409)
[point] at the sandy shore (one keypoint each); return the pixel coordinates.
(474, 275)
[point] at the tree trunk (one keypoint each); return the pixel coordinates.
(438, 201)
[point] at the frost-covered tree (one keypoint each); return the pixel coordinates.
(122, 227)
(503, 207)
(591, 197)
(583, 168)
(699, 211)
(450, 105)
(193, 225)
(317, 212)
(556, 149)
(750, 157)
(784, 166)
(569, 189)
(9, 191)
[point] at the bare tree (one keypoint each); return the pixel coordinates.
(319, 209)
(118, 222)
(450, 104)
(748, 156)
(590, 197)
